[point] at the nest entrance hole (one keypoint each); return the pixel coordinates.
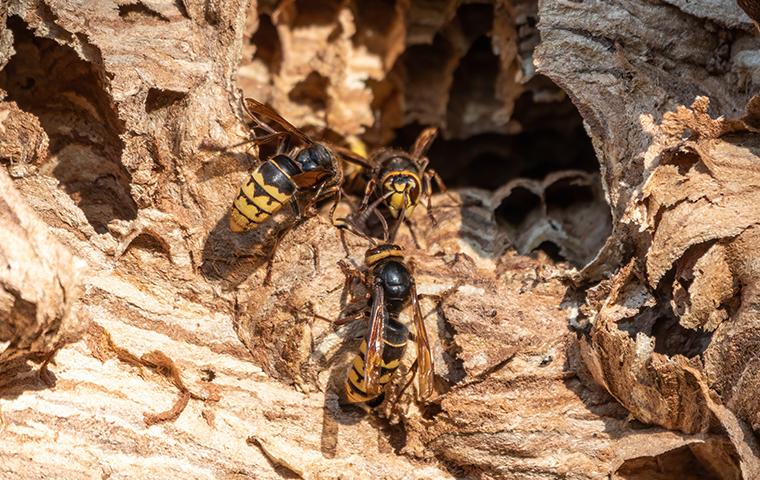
(690, 462)
(268, 44)
(67, 94)
(552, 167)
(551, 138)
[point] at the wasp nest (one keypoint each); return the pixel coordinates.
(589, 286)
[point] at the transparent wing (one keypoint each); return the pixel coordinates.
(424, 357)
(374, 357)
(257, 109)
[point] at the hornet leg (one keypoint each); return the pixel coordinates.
(278, 238)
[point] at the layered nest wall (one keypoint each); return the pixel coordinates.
(590, 289)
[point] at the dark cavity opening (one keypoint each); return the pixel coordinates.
(684, 161)
(149, 244)
(514, 209)
(673, 339)
(311, 91)
(375, 21)
(138, 12)
(66, 93)
(544, 144)
(472, 102)
(551, 139)
(566, 193)
(312, 13)
(669, 336)
(684, 463)
(158, 98)
(551, 250)
(267, 43)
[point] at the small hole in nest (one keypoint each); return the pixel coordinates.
(685, 161)
(147, 251)
(268, 44)
(312, 13)
(431, 410)
(158, 98)
(551, 250)
(311, 91)
(149, 243)
(673, 339)
(681, 463)
(137, 12)
(516, 207)
(566, 193)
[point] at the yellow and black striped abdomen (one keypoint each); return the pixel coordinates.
(265, 192)
(395, 337)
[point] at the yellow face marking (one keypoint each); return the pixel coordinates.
(400, 186)
(271, 190)
(405, 185)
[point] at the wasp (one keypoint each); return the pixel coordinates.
(392, 288)
(300, 166)
(399, 179)
(274, 183)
